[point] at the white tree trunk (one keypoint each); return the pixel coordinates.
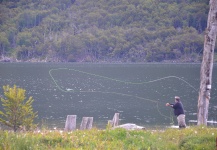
(207, 65)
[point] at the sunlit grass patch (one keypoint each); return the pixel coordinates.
(194, 142)
(121, 139)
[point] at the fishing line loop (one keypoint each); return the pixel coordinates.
(120, 81)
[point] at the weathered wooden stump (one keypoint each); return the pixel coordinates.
(86, 123)
(115, 121)
(70, 124)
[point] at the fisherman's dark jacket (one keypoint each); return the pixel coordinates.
(178, 108)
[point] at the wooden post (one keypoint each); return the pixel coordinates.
(115, 121)
(207, 65)
(70, 124)
(87, 123)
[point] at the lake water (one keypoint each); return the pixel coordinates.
(137, 91)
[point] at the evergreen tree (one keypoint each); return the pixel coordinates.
(18, 112)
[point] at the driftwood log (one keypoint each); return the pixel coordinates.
(130, 126)
(114, 123)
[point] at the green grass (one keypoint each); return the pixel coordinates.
(193, 138)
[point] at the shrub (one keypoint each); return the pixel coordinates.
(18, 113)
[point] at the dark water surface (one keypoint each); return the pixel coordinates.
(137, 91)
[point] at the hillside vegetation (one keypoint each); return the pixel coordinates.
(102, 30)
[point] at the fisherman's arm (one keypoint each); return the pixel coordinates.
(169, 104)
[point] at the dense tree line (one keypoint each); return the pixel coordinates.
(103, 30)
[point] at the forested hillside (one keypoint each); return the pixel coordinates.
(102, 30)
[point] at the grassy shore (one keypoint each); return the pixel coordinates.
(192, 138)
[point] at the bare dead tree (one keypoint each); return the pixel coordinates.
(207, 64)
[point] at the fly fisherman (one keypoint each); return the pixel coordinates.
(178, 111)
